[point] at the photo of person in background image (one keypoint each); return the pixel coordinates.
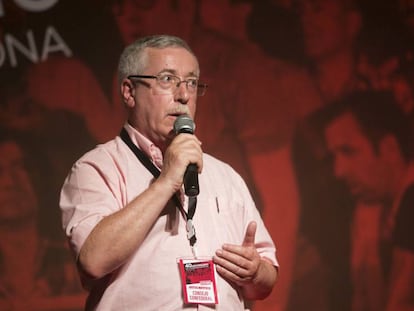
(371, 141)
(335, 234)
(35, 272)
(330, 31)
(125, 227)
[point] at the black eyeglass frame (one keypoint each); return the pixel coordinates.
(201, 87)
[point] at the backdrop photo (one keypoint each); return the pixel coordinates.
(333, 186)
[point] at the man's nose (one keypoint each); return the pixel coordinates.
(181, 93)
(339, 167)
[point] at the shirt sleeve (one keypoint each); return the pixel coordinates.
(87, 196)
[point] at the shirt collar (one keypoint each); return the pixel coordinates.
(147, 146)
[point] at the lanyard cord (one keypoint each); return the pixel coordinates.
(192, 201)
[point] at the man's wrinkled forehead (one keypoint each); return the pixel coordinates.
(153, 55)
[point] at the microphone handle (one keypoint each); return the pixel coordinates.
(191, 180)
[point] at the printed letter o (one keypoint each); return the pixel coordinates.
(36, 5)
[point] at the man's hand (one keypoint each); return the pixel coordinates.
(243, 266)
(239, 263)
(183, 150)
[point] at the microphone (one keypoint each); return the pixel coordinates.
(184, 124)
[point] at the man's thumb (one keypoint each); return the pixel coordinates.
(250, 234)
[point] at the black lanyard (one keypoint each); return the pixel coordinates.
(192, 201)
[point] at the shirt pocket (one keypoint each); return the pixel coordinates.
(230, 219)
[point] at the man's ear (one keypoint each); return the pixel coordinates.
(128, 93)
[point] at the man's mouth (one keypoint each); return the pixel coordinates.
(178, 112)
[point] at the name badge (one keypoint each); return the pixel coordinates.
(198, 278)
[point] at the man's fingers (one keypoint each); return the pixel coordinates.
(250, 234)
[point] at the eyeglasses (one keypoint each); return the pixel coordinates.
(168, 84)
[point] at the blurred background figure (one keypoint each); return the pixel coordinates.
(386, 49)
(372, 146)
(36, 272)
(77, 84)
(55, 137)
(330, 31)
(19, 206)
(227, 17)
(286, 39)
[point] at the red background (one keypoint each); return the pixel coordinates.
(268, 66)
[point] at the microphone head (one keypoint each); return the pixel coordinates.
(184, 124)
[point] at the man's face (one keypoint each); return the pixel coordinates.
(326, 27)
(226, 17)
(154, 113)
(17, 197)
(355, 160)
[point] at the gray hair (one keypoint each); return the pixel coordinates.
(133, 59)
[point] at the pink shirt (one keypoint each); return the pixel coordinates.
(107, 178)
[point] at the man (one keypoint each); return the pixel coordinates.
(229, 124)
(330, 31)
(370, 140)
(128, 229)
